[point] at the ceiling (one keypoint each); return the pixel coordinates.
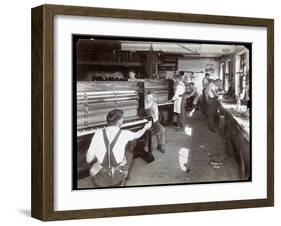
(185, 49)
(182, 49)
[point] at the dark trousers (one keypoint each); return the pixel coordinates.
(159, 131)
(203, 103)
(212, 105)
(182, 119)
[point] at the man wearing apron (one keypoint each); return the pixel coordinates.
(177, 98)
(107, 149)
(151, 109)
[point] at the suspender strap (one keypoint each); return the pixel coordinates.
(105, 139)
(109, 159)
(115, 140)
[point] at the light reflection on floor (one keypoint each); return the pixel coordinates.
(183, 159)
(188, 130)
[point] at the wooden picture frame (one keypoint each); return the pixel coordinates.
(42, 205)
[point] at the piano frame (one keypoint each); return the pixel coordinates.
(81, 143)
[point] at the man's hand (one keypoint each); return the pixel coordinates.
(148, 125)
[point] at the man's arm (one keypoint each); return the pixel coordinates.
(179, 91)
(193, 93)
(213, 90)
(155, 112)
(91, 153)
(139, 133)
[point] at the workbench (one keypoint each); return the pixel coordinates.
(237, 133)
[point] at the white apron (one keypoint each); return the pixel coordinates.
(180, 89)
(177, 105)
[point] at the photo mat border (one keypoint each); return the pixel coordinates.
(76, 37)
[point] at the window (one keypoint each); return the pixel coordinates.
(221, 71)
(227, 75)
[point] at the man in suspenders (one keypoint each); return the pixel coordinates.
(108, 149)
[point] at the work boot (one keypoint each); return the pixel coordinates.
(160, 147)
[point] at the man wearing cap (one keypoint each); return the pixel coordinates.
(108, 148)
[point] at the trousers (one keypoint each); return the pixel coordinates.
(121, 172)
(212, 106)
(159, 131)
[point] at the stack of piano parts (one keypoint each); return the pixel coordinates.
(96, 99)
(160, 89)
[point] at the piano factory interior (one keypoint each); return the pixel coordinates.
(186, 105)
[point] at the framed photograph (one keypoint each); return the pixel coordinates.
(141, 112)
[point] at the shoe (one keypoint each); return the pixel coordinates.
(160, 147)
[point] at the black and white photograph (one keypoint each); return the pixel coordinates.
(160, 112)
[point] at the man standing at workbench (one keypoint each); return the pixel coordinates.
(212, 94)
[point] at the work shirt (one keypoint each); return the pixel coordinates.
(194, 92)
(180, 90)
(153, 110)
(98, 150)
(205, 83)
(211, 91)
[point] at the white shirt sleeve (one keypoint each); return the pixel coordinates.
(213, 88)
(129, 135)
(180, 89)
(205, 82)
(194, 92)
(155, 112)
(95, 143)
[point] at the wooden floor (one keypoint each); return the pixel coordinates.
(208, 159)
